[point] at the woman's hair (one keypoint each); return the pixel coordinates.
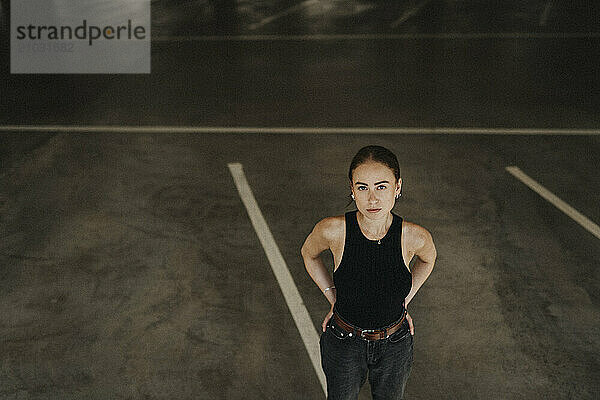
(378, 154)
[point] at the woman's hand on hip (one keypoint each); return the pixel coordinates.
(410, 324)
(327, 318)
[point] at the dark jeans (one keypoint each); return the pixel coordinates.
(347, 359)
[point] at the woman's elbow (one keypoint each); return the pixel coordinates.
(306, 253)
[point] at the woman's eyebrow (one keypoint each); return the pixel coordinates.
(366, 184)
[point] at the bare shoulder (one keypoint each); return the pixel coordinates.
(415, 236)
(326, 234)
(331, 228)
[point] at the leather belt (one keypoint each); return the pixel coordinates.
(369, 334)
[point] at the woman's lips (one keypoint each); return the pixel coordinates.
(373, 210)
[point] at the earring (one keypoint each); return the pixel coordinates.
(352, 196)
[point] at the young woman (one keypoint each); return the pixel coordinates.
(368, 328)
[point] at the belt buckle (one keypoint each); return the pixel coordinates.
(366, 331)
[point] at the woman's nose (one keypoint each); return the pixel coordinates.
(372, 196)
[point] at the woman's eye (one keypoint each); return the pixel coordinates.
(381, 187)
(362, 188)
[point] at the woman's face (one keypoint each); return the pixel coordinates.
(374, 188)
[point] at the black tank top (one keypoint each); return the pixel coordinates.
(372, 280)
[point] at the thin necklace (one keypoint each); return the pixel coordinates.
(371, 233)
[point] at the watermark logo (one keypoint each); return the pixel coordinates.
(80, 36)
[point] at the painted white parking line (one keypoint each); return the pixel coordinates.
(383, 36)
(409, 13)
(305, 326)
(557, 202)
(294, 130)
(545, 13)
(289, 11)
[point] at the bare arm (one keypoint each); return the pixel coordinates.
(324, 235)
(319, 240)
(426, 255)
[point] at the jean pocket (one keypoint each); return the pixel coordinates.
(401, 333)
(336, 331)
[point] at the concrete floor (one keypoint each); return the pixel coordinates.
(129, 267)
